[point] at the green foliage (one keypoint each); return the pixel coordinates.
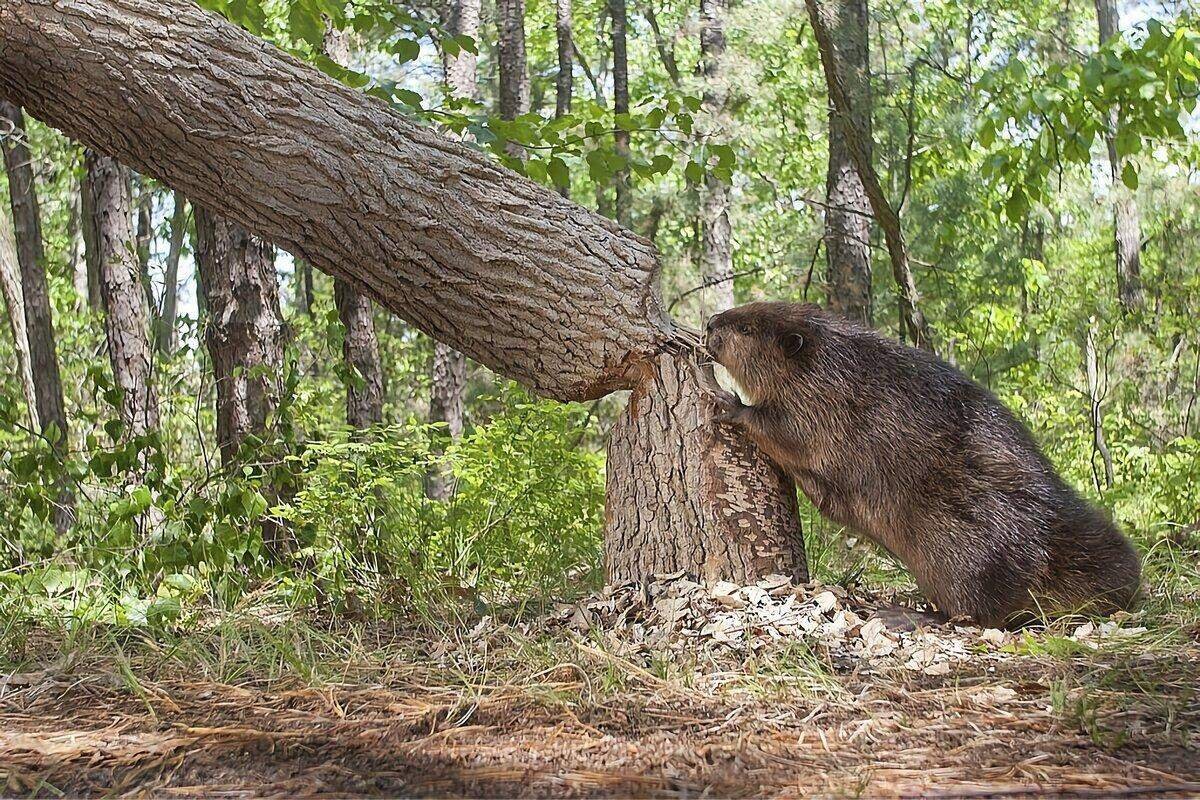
(1133, 94)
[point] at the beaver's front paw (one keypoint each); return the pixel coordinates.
(727, 407)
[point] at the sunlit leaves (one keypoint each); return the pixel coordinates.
(1131, 93)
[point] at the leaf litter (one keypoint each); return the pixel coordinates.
(676, 688)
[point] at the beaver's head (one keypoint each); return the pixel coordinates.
(762, 344)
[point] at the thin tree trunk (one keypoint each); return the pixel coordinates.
(39, 325)
(243, 331)
(10, 284)
(848, 211)
(91, 248)
(912, 320)
(448, 367)
(126, 318)
(564, 82)
(716, 234)
(244, 335)
(76, 263)
(538, 288)
(1127, 225)
(165, 324)
(145, 238)
(514, 69)
(1095, 397)
(622, 188)
(360, 346)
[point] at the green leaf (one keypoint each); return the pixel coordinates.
(305, 22)
(1129, 176)
(406, 50)
(558, 171)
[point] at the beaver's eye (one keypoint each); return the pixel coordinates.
(744, 329)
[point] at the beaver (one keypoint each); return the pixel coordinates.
(901, 447)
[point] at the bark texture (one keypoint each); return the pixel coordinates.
(10, 284)
(1127, 221)
(91, 248)
(360, 345)
(848, 211)
(526, 282)
(716, 234)
(243, 331)
(39, 325)
(656, 522)
(165, 324)
(623, 192)
(126, 317)
(514, 68)
(564, 81)
(912, 320)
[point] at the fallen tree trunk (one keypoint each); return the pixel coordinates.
(520, 279)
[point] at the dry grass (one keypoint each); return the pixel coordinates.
(283, 708)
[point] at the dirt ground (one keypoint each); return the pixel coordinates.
(97, 730)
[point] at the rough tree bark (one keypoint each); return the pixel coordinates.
(848, 211)
(164, 337)
(1127, 224)
(716, 234)
(360, 346)
(244, 335)
(91, 248)
(31, 258)
(564, 81)
(244, 330)
(514, 69)
(667, 433)
(126, 317)
(10, 284)
(623, 205)
(522, 280)
(912, 320)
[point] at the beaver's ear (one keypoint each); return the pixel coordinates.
(793, 343)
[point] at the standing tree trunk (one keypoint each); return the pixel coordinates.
(848, 211)
(91, 248)
(716, 234)
(76, 263)
(1127, 225)
(686, 493)
(514, 69)
(360, 346)
(622, 188)
(126, 318)
(448, 368)
(165, 324)
(524, 281)
(244, 335)
(39, 325)
(564, 82)
(10, 284)
(244, 330)
(857, 142)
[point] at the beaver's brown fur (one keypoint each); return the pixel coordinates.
(903, 448)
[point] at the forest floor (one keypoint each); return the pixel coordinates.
(733, 691)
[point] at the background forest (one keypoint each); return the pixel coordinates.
(1038, 158)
